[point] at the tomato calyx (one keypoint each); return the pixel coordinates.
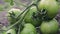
(43, 12)
(35, 16)
(43, 15)
(12, 15)
(40, 15)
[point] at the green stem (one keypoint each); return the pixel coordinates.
(26, 8)
(24, 11)
(19, 29)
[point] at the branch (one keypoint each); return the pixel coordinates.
(24, 10)
(19, 29)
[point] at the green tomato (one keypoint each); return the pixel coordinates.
(11, 31)
(16, 13)
(49, 27)
(28, 29)
(51, 6)
(29, 19)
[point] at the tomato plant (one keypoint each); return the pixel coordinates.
(34, 15)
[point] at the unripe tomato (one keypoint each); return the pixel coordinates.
(11, 31)
(28, 17)
(51, 6)
(15, 13)
(49, 27)
(28, 29)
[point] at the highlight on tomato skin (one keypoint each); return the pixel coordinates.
(48, 27)
(51, 6)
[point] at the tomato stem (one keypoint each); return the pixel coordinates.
(19, 29)
(28, 7)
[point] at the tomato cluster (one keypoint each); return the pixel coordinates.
(40, 15)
